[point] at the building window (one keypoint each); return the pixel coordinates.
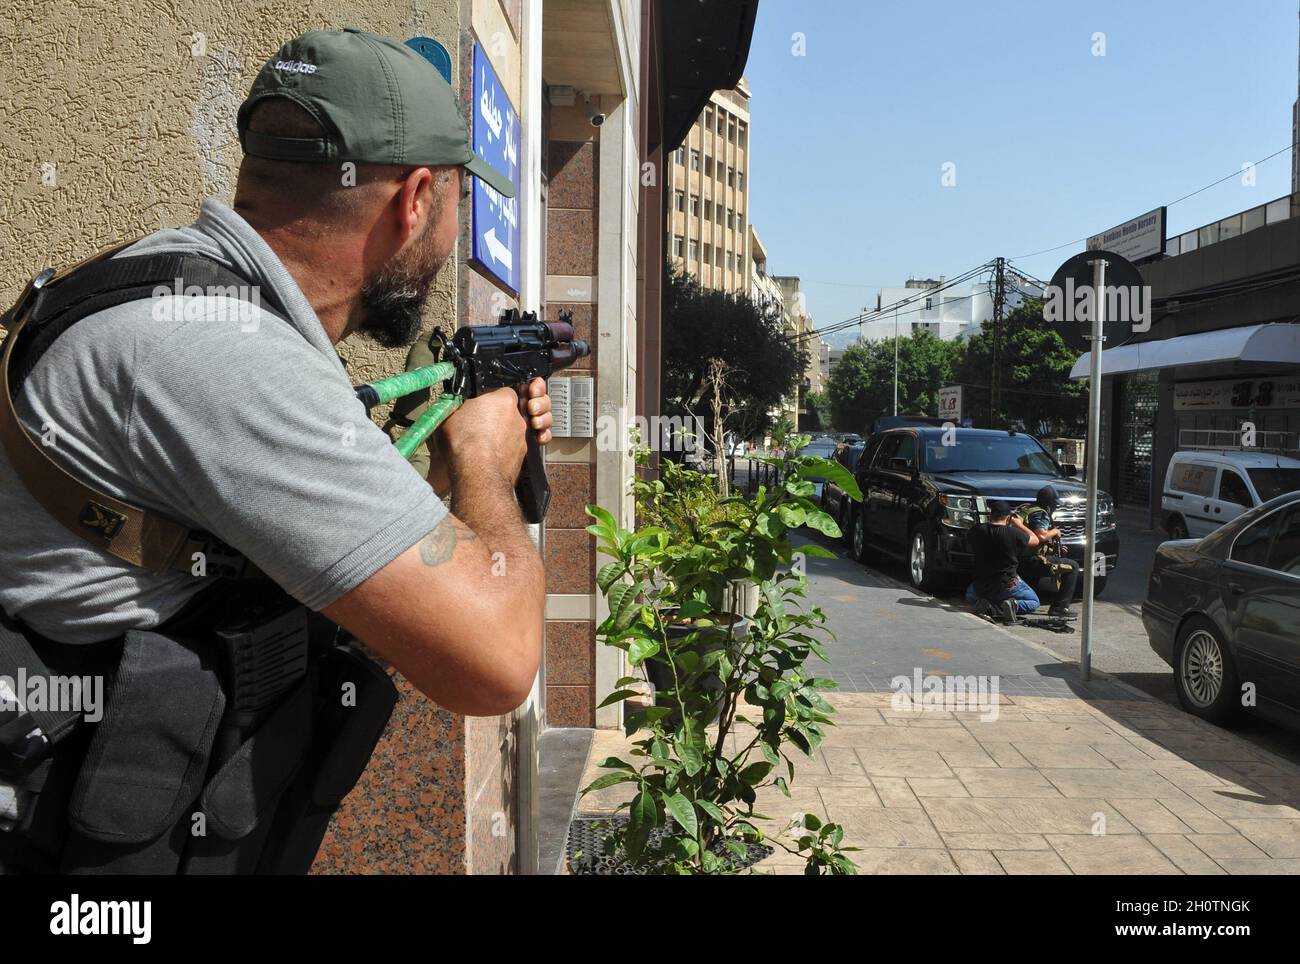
(708, 254)
(731, 219)
(719, 215)
(742, 133)
(677, 246)
(708, 210)
(740, 221)
(694, 249)
(731, 131)
(708, 167)
(740, 182)
(722, 119)
(731, 177)
(717, 256)
(731, 261)
(695, 205)
(679, 200)
(695, 160)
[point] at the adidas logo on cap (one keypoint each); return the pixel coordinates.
(295, 66)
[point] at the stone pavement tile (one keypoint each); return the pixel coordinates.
(841, 698)
(886, 827)
(1005, 755)
(937, 787)
(1032, 862)
(802, 799)
(1109, 783)
(967, 758)
(831, 766)
(1193, 814)
(976, 862)
(857, 716)
(1277, 838)
(995, 841)
(1058, 717)
(1241, 803)
(1286, 789)
(835, 797)
(888, 860)
(1045, 815)
(902, 763)
(902, 738)
(1262, 769)
(1186, 856)
(930, 721)
(1289, 866)
(983, 782)
(895, 792)
(1152, 749)
(1037, 733)
(1062, 756)
(1149, 816)
(1194, 745)
(1007, 714)
(1228, 846)
(1108, 854)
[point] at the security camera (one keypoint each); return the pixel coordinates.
(595, 116)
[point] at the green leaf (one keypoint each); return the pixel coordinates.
(609, 780)
(617, 696)
(831, 471)
(609, 574)
(612, 762)
(824, 524)
(713, 810)
(692, 756)
(644, 816)
(642, 648)
(606, 520)
(792, 515)
(755, 772)
(811, 550)
(682, 811)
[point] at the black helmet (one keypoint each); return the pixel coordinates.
(1047, 497)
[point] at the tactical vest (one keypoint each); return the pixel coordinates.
(1047, 553)
(233, 731)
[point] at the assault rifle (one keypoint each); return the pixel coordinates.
(482, 358)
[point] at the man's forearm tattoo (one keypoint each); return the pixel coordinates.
(440, 544)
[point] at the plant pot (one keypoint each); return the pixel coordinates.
(661, 676)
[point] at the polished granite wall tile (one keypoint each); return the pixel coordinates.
(570, 706)
(572, 182)
(491, 755)
(407, 813)
(573, 486)
(570, 241)
(584, 329)
(570, 652)
(570, 560)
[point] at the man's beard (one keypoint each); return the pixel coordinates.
(392, 302)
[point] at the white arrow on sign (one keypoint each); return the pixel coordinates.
(500, 252)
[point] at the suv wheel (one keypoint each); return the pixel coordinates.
(860, 548)
(1177, 528)
(846, 521)
(1203, 673)
(921, 571)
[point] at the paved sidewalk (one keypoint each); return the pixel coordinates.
(1052, 785)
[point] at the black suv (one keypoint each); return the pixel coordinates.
(923, 488)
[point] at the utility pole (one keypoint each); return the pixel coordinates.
(999, 304)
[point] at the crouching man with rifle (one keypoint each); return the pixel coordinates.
(195, 501)
(1052, 574)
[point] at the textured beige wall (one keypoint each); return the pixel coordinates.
(118, 117)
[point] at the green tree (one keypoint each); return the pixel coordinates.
(1037, 393)
(862, 382)
(764, 364)
(817, 408)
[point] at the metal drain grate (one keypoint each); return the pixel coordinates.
(587, 856)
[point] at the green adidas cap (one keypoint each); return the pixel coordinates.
(378, 100)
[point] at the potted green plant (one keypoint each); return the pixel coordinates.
(671, 590)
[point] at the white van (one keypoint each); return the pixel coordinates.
(1205, 489)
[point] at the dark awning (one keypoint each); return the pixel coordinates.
(706, 45)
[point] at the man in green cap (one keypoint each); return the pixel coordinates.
(243, 423)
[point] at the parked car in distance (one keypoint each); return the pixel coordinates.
(923, 488)
(834, 501)
(1204, 489)
(824, 448)
(1224, 613)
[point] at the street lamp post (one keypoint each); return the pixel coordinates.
(895, 359)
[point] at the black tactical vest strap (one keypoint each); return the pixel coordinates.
(49, 306)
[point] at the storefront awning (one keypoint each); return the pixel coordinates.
(1278, 343)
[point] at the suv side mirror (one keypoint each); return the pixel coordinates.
(899, 465)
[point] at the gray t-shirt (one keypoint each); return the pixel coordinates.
(221, 416)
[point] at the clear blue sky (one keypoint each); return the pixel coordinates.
(1050, 143)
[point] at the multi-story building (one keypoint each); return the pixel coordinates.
(951, 313)
(763, 289)
(708, 195)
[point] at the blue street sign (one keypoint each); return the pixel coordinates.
(496, 140)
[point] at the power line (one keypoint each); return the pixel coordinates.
(1236, 173)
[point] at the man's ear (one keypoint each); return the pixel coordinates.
(416, 203)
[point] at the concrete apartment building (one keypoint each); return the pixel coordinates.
(707, 189)
(598, 93)
(955, 312)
